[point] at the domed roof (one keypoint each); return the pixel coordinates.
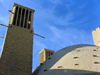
(72, 60)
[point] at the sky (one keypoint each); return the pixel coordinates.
(62, 22)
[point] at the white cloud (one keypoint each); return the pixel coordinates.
(48, 15)
(69, 36)
(55, 31)
(51, 18)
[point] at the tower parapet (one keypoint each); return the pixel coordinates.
(96, 36)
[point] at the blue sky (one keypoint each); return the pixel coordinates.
(62, 22)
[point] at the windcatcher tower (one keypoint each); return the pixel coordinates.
(16, 57)
(96, 36)
(44, 54)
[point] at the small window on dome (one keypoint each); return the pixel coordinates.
(45, 69)
(76, 64)
(78, 50)
(40, 63)
(94, 50)
(96, 62)
(59, 66)
(49, 58)
(75, 57)
(94, 55)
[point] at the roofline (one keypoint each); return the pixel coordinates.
(46, 49)
(96, 28)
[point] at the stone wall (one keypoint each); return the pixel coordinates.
(16, 56)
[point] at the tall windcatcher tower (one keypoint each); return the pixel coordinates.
(16, 57)
(96, 36)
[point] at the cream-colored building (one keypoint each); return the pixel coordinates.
(96, 36)
(44, 54)
(82, 59)
(16, 58)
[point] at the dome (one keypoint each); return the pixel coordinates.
(80, 59)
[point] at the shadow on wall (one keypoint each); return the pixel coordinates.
(65, 72)
(61, 53)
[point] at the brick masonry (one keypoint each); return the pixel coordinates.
(16, 56)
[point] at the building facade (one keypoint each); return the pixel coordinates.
(16, 57)
(81, 59)
(45, 54)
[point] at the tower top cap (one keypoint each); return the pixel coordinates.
(23, 7)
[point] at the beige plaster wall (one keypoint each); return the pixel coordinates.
(96, 36)
(63, 63)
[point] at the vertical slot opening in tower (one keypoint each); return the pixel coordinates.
(29, 23)
(22, 19)
(19, 13)
(15, 15)
(26, 19)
